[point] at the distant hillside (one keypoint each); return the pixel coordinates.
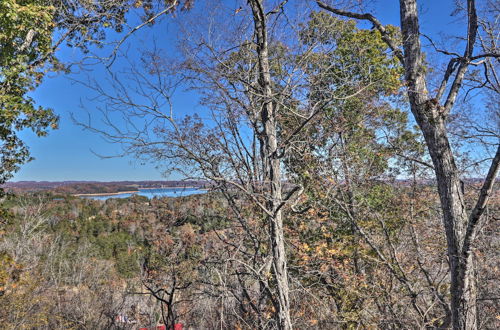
(95, 187)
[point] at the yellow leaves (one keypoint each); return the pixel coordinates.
(327, 234)
(320, 249)
(333, 252)
(18, 300)
(325, 250)
(305, 260)
(302, 226)
(311, 212)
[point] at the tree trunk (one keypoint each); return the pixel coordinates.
(431, 120)
(460, 228)
(455, 218)
(272, 162)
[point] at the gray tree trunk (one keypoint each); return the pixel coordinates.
(430, 114)
(431, 120)
(270, 155)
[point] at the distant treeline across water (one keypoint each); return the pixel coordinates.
(150, 193)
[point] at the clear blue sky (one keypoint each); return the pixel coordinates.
(66, 154)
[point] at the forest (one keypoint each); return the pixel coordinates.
(89, 187)
(350, 165)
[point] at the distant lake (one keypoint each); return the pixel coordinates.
(150, 193)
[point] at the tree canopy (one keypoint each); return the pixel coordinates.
(26, 36)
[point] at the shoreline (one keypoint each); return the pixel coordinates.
(189, 187)
(106, 194)
(133, 191)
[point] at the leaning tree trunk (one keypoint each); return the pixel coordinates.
(272, 175)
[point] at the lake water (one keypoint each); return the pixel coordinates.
(150, 193)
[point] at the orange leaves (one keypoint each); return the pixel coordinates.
(187, 234)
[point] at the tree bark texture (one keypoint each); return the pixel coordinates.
(431, 120)
(272, 164)
(430, 114)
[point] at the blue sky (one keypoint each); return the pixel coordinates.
(67, 153)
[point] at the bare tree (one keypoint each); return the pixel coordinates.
(251, 80)
(431, 111)
(272, 164)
